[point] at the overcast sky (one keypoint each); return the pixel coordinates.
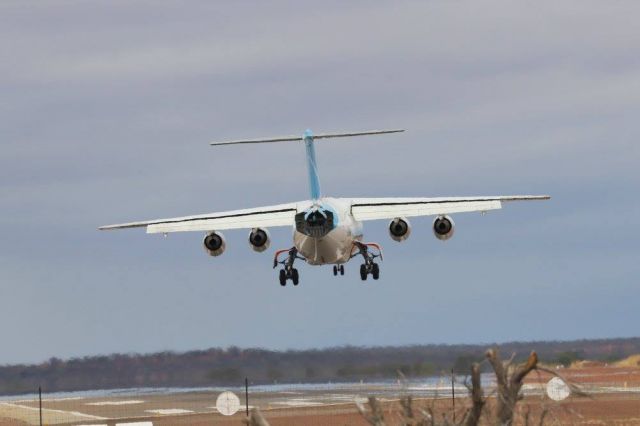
(107, 108)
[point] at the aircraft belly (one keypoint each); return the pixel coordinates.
(335, 247)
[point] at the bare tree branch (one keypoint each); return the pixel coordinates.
(575, 390)
(407, 409)
(477, 397)
(509, 384)
(376, 418)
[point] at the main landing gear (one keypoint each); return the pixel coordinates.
(369, 266)
(288, 272)
(338, 268)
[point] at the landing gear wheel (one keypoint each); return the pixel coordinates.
(283, 277)
(341, 269)
(335, 270)
(363, 272)
(375, 271)
(294, 276)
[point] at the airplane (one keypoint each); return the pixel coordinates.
(326, 230)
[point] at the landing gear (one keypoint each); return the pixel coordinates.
(338, 268)
(369, 266)
(288, 272)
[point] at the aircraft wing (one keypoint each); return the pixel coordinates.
(269, 216)
(389, 208)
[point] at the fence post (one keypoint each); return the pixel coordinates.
(40, 402)
(453, 396)
(246, 395)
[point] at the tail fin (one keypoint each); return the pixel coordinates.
(301, 138)
(308, 137)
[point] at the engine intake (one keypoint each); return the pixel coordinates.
(259, 239)
(214, 243)
(443, 227)
(399, 229)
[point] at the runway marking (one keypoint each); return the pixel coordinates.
(18, 401)
(135, 424)
(169, 411)
(30, 414)
(125, 402)
(299, 403)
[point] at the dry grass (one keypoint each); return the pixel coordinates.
(631, 361)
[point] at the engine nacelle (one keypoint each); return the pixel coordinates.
(443, 227)
(214, 243)
(259, 239)
(399, 229)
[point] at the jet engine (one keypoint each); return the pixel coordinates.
(259, 239)
(443, 227)
(399, 229)
(214, 243)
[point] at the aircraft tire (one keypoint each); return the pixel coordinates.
(294, 276)
(283, 278)
(341, 269)
(375, 272)
(363, 272)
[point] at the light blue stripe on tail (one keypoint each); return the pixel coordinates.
(312, 165)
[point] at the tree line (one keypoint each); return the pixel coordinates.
(229, 367)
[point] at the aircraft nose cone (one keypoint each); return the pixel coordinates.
(308, 133)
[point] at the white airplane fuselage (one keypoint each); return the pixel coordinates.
(337, 245)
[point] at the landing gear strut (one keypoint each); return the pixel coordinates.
(338, 268)
(369, 266)
(288, 271)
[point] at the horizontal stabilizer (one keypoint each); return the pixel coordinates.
(308, 134)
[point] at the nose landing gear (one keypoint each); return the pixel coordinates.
(338, 268)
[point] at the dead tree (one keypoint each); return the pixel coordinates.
(376, 417)
(406, 403)
(477, 398)
(509, 379)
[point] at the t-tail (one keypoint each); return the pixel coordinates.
(308, 138)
